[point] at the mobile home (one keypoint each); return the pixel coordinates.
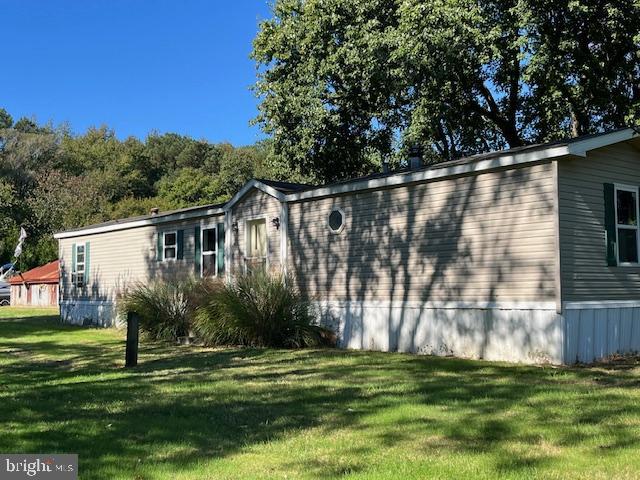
(528, 254)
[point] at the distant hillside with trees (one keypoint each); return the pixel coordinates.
(52, 179)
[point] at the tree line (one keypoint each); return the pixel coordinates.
(52, 179)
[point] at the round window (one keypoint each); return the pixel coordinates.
(336, 220)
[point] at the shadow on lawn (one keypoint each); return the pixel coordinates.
(205, 404)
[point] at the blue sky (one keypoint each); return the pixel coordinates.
(136, 66)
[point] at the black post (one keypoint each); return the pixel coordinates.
(131, 353)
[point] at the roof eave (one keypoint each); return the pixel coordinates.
(581, 147)
(251, 184)
(577, 148)
(435, 173)
(36, 282)
(175, 217)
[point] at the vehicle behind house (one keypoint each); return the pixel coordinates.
(5, 293)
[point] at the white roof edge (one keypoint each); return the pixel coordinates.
(581, 147)
(578, 148)
(430, 174)
(174, 217)
(269, 190)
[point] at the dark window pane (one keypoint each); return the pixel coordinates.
(627, 214)
(209, 240)
(170, 252)
(335, 220)
(169, 239)
(628, 245)
(208, 265)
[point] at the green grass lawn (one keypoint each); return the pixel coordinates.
(194, 413)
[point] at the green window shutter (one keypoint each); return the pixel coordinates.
(73, 263)
(73, 258)
(159, 247)
(610, 223)
(87, 265)
(197, 249)
(220, 248)
(180, 241)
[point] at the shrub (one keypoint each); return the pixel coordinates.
(166, 309)
(259, 310)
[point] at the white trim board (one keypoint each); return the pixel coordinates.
(175, 217)
(248, 187)
(601, 304)
(435, 305)
(557, 268)
(87, 302)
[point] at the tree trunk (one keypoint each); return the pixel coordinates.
(510, 133)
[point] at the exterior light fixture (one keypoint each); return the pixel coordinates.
(276, 222)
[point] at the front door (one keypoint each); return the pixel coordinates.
(257, 248)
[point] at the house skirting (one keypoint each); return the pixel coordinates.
(594, 330)
(101, 313)
(529, 332)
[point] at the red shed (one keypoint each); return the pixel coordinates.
(36, 287)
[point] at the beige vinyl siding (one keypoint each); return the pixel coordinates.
(487, 237)
(585, 274)
(120, 258)
(255, 204)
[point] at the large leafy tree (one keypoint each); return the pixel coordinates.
(344, 83)
(328, 82)
(584, 75)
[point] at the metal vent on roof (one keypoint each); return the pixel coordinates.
(415, 157)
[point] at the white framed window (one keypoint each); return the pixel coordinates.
(209, 253)
(336, 220)
(256, 244)
(78, 273)
(627, 233)
(169, 246)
